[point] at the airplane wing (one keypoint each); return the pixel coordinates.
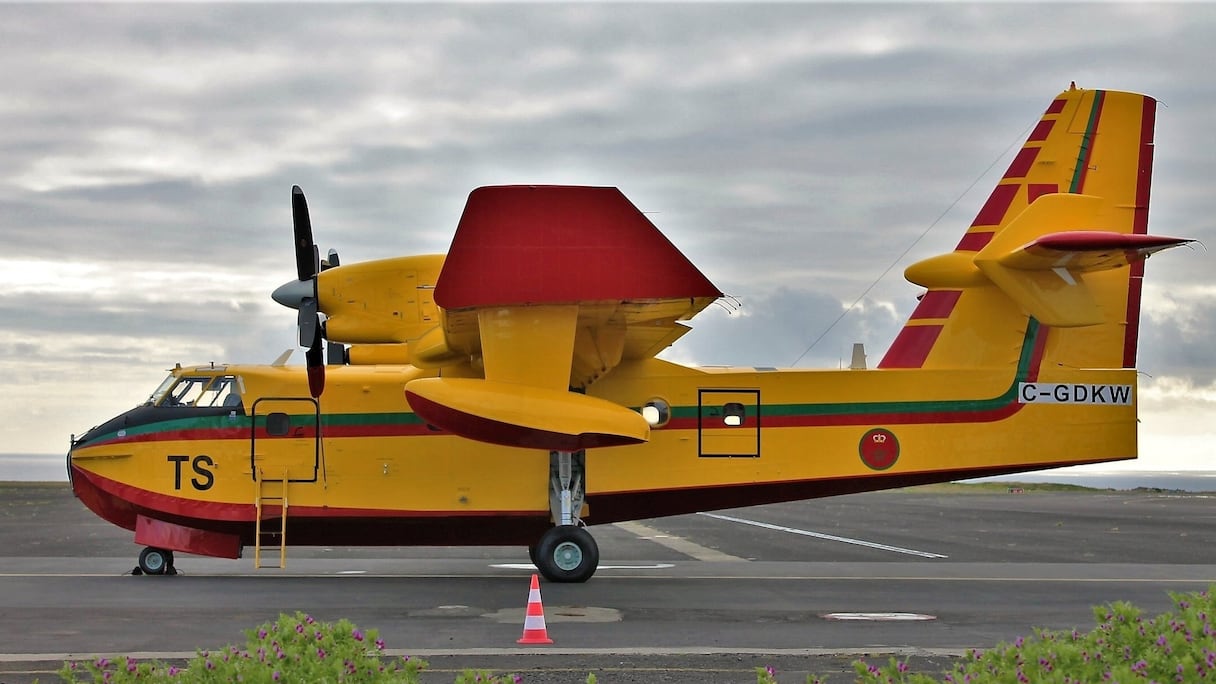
(545, 289)
(545, 245)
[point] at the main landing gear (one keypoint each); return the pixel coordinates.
(567, 552)
(154, 561)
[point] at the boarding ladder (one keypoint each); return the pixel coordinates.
(271, 499)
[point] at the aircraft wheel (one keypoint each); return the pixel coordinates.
(532, 554)
(567, 554)
(154, 561)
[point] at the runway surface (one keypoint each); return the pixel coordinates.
(804, 587)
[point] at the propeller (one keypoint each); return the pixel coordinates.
(301, 294)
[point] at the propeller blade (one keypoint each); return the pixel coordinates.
(308, 322)
(307, 254)
(331, 260)
(315, 360)
(302, 294)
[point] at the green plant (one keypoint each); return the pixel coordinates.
(1178, 646)
(295, 648)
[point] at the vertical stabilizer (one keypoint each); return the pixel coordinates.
(1016, 266)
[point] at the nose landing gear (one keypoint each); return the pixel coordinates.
(154, 561)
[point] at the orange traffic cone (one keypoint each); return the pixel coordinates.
(534, 618)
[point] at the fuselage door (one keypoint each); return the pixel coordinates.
(285, 439)
(728, 423)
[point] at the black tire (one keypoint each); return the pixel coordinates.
(154, 561)
(532, 554)
(567, 554)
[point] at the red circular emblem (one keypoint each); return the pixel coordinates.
(879, 449)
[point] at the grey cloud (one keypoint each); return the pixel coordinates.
(1179, 343)
(779, 329)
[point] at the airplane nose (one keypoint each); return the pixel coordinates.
(292, 293)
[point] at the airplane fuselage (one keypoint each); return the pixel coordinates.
(359, 468)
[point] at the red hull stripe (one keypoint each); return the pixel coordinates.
(177, 508)
(1056, 107)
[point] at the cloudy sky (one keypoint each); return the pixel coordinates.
(794, 152)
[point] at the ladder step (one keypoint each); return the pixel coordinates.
(270, 509)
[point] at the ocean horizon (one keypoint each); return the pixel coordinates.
(53, 468)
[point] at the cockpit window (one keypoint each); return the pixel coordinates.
(221, 392)
(161, 391)
(201, 391)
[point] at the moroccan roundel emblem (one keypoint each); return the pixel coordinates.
(879, 449)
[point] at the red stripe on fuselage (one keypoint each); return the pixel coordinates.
(121, 503)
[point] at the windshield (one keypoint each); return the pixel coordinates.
(159, 394)
(197, 390)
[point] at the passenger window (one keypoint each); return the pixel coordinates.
(656, 412)
(733, 414)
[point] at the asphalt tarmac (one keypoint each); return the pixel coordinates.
(804, 587)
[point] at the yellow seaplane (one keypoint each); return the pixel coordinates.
(509, 392)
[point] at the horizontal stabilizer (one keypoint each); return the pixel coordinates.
(524, 416)
(1041, 258)
(1087, 251)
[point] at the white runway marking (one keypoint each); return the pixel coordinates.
(678, 544)
(879, 617)
(821, 535)
(529, 566)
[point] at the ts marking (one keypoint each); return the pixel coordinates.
(201, 465)
(1066, 393)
